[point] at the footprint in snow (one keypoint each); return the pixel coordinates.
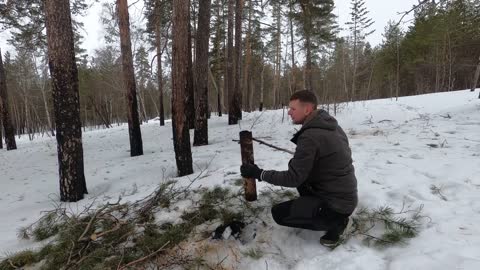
(416, 156)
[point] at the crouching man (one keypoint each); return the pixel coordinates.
(321, 170)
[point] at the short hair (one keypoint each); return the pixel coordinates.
(306, 96)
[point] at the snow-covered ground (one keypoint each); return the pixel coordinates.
(395, 162)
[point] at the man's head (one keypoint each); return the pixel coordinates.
(302, 104)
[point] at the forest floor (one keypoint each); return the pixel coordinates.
(417, 152)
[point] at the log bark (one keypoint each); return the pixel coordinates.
(246, 145)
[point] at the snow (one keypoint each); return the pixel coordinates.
(394, 163)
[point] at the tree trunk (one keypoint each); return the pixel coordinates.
(354, 75)
(201, 74)
(293, 83)
(136, 145)
(232, 119)
(158, 44)
(181, 137)
(476, 76)
(308, 66)
(43, 89)
(64, 73)
(190, 83)
(1, 135)
(237, 104)
(262, 85)
(248, 53)
(4, 110)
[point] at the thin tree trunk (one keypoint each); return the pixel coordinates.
(1, 133)
(293, 83)
(354, 75)
(181, 137)
(232, 120)
(397, 86)
(190, 77)
(43, 89)
(4, 110)
(262, 84)
(134, 132)
(63, 70)
(476, 76)
(237, 101)
(246, 69)
(201, 74)
(158, 43)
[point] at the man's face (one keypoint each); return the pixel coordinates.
(299, 111)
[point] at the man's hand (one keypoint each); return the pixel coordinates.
(250, 171)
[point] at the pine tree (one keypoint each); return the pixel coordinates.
(134, 132)
(229, 78)
(201, 72)
(159, 15)
(316, 22)
(358, 26)
(181, 137)
(5, 118)
(63, 70)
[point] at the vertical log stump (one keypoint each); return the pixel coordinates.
(246, 145)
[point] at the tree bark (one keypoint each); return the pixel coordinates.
(201, 74)
(158, 44)
(190, 94)
(232, 120)
(5, 111)
(238, 59)
(63, 70)
(135, 135)
(181, 137)
(248, 56)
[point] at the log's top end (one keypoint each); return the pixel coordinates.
(245, 134)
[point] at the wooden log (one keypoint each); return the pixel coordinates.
(246, 146)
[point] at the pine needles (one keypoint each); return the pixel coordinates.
(383, 227)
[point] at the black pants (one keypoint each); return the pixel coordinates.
(311, 213)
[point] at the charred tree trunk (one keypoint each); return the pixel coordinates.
(201, 74)
(63, 70)
(135, 135)
(181, 137)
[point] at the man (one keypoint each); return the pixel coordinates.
(321, 170)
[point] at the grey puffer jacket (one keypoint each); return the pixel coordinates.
(322, 164)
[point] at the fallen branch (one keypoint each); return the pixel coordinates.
(270, 145)
(144, 258)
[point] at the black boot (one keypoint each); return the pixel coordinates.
(334, 235)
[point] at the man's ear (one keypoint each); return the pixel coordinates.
(309, 108)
